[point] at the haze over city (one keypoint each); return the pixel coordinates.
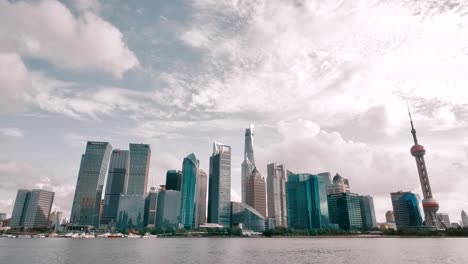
(324, 82)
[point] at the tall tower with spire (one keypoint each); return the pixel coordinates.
(430, 205)
(248, 164)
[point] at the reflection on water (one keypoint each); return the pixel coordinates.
(235, 250)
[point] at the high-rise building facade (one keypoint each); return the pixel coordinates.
(307, 201)
(189, 191)
(406, 210)
(345, 210)
(19, 208)
(430, 205)
(246, 217)
(173, 180)
(248, 164)
(32, 208)
(464, 219)
(369, 221)
(276, 193)
(131, 211)
(89, 186)
(115, 186)
(444, 220)
(390, 217)
(255, 192)
(151, 206)
(219, 187)
(202, 186)
(140, 155)
(167, 213)
(338, 185)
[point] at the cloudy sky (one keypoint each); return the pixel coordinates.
(325, 82)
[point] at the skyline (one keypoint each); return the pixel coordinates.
(179, 76)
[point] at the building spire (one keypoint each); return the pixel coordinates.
(413, 130)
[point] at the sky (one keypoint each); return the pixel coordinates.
(325, 82)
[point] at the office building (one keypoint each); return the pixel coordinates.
(167, 213)
(219, 187)
(345, 210)
(189, 191)
(56, 220)
(430, 205)
(32, 209)
(201, 198)
(89, 186)
(338, 185)
(406, 210)
(369, 221)
(3, 216)
(444, 220)
(151, 206)
(255, 192)
(390, 217)
(276, 194)
(116, 185)
(131, 211)
(248, 164)
(140, 155)
(464, 219)
(173, 180)
(307, 201)
(245, 217)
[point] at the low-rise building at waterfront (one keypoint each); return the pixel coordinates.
(246, 217)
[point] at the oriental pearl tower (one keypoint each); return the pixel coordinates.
(430, 205)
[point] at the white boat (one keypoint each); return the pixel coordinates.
(148, 235)
(105, 235)
(23, 236)
(117, 235)
(39, 236)
(132, 236)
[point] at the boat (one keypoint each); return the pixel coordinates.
(117, 235)
(148, 235)
(133, 236)
(105, 235)
(23, 236)
(39, 236)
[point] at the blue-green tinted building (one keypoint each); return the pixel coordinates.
(345, 210)
(173, 180)
(19, 209)
(406, 210)
(188, 192)
(219, 187)
(140, 155)
(131, 211)
(369, 221)
(168, 209)
(151, 206)
(247, 217)
(89, 186)
(307, 203)
(115, 186)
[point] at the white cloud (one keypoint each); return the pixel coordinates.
(12, 132)
(48, 30)
(13, 80)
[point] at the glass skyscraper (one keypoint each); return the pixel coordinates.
(307, 201)
(219, 188)
(345, 210)
(247, 217)
(276, 192)
(32, 208)
(19, 209)
(406, 210)
(255, 192)
(89, 186)
(200, 217)
(173, 180)
(248, 164)
(131, 211)
(367, 212)
(188, 192)
(140, 155)
(116, 185)
(167, 214)
(151, 206)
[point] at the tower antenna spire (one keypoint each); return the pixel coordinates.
(413, 130)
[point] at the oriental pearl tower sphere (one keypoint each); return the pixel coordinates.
(430, 205)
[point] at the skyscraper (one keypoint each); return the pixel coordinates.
(390, 217)
(307, 201)
(345, 210)
(200, 217)
(173, 180)
(167, 214)
(116, 185)
(88, 192)
(464, 218)
(32, 208)
(151, 206)
(249, 160)
(131, 211)
(219, 188)
(255, 192)
(140, 155)
(367, 212)
(276, 193)
(189, 191)
(338, 185)
(430, 205)
(19, 209)
(444, 220)
(406, 210)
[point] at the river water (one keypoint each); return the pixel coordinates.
(234, 250)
